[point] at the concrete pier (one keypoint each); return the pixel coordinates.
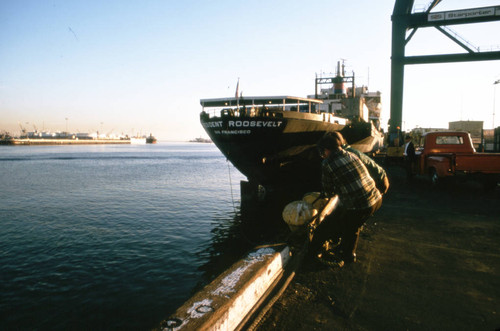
(226, 302)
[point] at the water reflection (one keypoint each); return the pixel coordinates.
(234, 236)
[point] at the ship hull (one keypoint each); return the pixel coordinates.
(274, 152)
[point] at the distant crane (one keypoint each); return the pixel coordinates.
(23, 130)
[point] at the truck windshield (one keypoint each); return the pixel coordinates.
(449, 140)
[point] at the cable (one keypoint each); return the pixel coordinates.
(231, 185)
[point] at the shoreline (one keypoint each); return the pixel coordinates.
(27, 141)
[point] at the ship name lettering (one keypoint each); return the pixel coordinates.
(253, 124)
(217, 124)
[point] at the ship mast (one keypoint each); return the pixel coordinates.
(338, 82)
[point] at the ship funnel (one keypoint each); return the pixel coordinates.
(338, 81)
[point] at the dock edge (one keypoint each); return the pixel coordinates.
(226, 303)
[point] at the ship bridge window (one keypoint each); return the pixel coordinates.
(304, 108)
(227, 112)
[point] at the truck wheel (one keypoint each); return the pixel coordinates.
(434, 177)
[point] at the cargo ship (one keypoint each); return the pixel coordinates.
(151, 139)
(272, 139)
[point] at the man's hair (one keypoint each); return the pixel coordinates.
(339, 136)
(331, 141)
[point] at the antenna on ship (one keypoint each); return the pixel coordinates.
(341, 68)
(236, 94)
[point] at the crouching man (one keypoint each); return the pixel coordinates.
(344, 174)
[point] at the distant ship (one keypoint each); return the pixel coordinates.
(272, 140)
(200, 140)
(151, 139)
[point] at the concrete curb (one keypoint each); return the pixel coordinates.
(226, 302)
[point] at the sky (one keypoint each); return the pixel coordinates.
(140, 67)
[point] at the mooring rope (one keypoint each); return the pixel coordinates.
(231, 184)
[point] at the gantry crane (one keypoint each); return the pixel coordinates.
(403, 21)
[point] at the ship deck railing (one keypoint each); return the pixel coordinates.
(259, 106)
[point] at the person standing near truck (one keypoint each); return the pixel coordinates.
(409, 157)
(344, 174)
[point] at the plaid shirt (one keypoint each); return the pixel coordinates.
(344, 174)
(376, 172)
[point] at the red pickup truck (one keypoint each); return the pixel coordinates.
(451, 153)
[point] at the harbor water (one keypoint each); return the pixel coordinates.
(108, 237)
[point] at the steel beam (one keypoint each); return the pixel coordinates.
(402, 9)
(449, 58)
